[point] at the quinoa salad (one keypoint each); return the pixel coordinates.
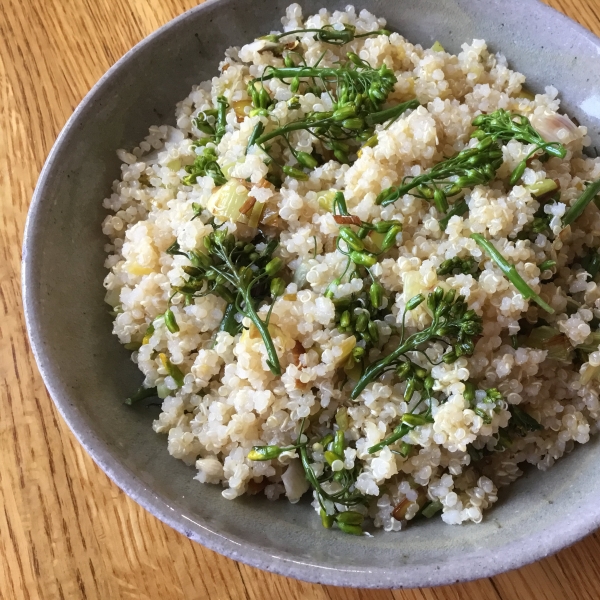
(362, 272)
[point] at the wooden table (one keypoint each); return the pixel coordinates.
(65, 530)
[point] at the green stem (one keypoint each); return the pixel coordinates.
(295, 126)
(459, 209)
(581, 203)
(377, 368)
(391, 113)
(291, 72)
(399, 432)
(140, 394)
(263, 329)
(510, 272)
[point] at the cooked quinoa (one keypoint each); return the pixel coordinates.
(221, 396)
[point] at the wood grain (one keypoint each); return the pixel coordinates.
(66, 531)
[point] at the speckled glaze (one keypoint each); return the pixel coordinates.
(88, 373)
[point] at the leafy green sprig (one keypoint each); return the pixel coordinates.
(470, 167)
(332, 446)
(357, 90)
(452, 323)
(357, 314)
(467, 265)
(504, 126)
(205, 164)
(328, 34)
(242, 276)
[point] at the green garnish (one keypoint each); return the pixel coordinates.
(461, 265)
(575, 210)
(470, 167)
(205, 164)
(452, 324)
(141, 394)
(333, 449)
(505, 126)
(238, 273)
(458, 209)
(358, 92)
(510, 272)
(328, 34)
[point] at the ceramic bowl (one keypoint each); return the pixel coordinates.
(88, 373)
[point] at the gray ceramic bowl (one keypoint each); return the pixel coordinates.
(88, 373)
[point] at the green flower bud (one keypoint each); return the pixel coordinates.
(338, 443)
(355, 59)
(343, 113)
(326, 520)
(345, 319)
(295, 85)
(288, 61)
(449, 357)
(376, 294)
(363, 258)
(341, 156)
(351, 239)
(306, 160)
(409, 390)
(425, 191)
(264, 100)
(351, 529)
(362, 322)
(295, 173)
(469, 393)
(354, 124)
(191, 271)
(373, 331)
(439, 199)
(277, 287)
(170, 321)
(350, 517)
(403, 369)
(390, 237)
(414, 302)
(358, 352)
(485, 142)
(518, 172)
(387, 196)
(273, 266)
(265, 452)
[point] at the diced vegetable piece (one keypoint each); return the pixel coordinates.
(542, 187)
(226, 202)
(552, 340)
(347, 346)
(437, 47)
(325, 200)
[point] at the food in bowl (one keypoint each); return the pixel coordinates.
(362, 269)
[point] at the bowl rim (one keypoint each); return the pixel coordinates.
(515, 554)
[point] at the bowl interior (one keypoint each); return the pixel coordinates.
(88, 373)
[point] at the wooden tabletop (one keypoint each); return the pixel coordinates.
(66, 531)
